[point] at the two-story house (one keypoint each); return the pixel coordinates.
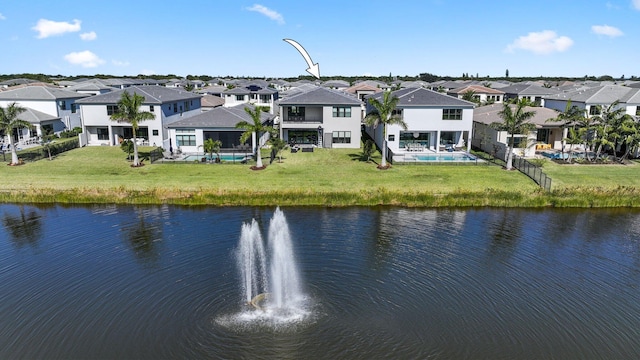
(167, 104)
(435, 121)
(321, 117)
(60, 105)
(251, 94)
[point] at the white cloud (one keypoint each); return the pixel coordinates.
(2, 17)
(148, 72)
(85, 59)
(635, 4)
(46, 28)
(544, 42)
(606, 30)
(88, 36)
(120, 63)
(271, 14)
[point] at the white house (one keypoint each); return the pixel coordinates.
(251, 94)
(533, 92)
(481, 93)
(436, 122)
(167, 104)
(60, 105)
(189, 134)
(321, 117)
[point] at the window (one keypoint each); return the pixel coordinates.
(112, 109)
(150, 108)
(396, 112)
(295, 113)
(186, 106)
(175, 107)
(265, 98)
(391, 137)
(155, 132)
(414, 137)
(185, 137)
(342, 137)
(451, 114)
(103, 133)
(341, 111)
(637, 110)
(518, 141)
(186, 140)
(594, 110)
(63, 105)
(73, 108)
(239, 97)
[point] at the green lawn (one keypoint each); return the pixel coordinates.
(322, 170)
(330, 177)
(603, 176)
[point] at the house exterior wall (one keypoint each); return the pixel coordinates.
(52, 107)
(495, 142)
(317, 116)
(95, 116)
(342, 124)
(427, 119)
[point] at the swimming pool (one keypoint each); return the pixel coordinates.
(223, 157)
(441, 158)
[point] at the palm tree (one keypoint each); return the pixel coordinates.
(129, 112)
(514, 123)
(470, 95)
(574, 137)
(277, 145)
(211, 146)
(571, 116)
(256, 127)
(609, 126)
(383, 115)
(8, 122)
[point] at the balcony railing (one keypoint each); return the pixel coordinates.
(302, 119)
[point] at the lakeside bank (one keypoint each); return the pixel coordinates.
(327, 177)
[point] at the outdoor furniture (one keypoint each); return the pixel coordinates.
(307, 149)
(294, 150)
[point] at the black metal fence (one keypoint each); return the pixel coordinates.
(42, 152)
(534, 172)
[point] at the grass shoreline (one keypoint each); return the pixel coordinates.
(326, 177)
(565, 198)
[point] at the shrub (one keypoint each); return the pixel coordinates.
(538, 162)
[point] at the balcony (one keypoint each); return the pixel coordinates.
(301, 120)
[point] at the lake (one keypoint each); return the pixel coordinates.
(155, 282)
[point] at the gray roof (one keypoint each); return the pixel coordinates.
(596, 95)
(94, 84)
(19, 81)
(632, 97)
(238, 91)
(335, 83)
(522, 89)
(35, 116)
(489, 114)
(219, 117)
(425, 97)
(153, 94)
(36, 93)
(321, 96)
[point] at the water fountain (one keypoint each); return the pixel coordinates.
(270, 280)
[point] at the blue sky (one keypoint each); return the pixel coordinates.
(346, 37)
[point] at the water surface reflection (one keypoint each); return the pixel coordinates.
(150, 282)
